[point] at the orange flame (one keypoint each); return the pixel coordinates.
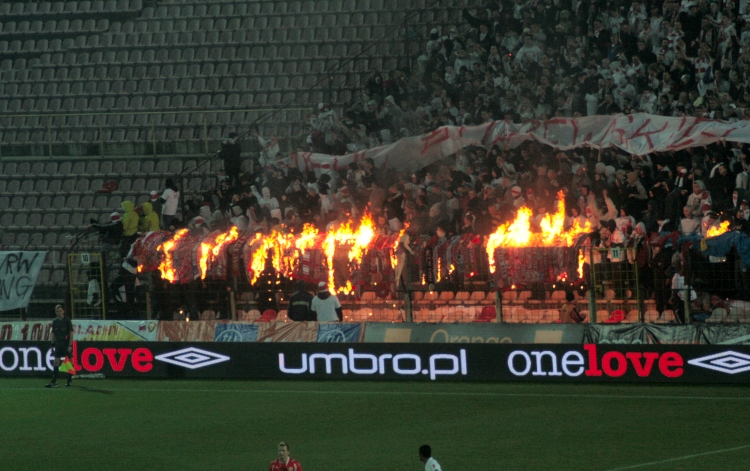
(717, 231)
(306, 239)
(211, 249)
(518, 232)
(285, 249)
(581, 261)
(344, 235)
(275, 242)
(362, 238)
(166, 266)
(394, 259)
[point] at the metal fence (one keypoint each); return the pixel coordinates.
(619, 285)
(715, 289)
(87, 276)
(616, 285)
(192, 132)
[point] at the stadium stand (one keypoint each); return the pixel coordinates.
(132, 56)
(136, 91)
(84, 81)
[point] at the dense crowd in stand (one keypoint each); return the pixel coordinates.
(518, 61)
(521, 60)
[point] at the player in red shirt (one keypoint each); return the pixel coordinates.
(284, 463)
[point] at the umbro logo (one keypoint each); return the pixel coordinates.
(726, 362)
(192, 358)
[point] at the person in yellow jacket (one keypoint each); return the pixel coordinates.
(129, 227)
(150, 220)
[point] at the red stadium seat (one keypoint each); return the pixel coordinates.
(487, 315)
(267, 316)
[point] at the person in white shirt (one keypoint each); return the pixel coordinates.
(265, 200)
(270, 150)
(170, 198)
(613, 237)
(530, 51)
(425, 456)
(326, 306)
(689, 225)
(592, 102)
(743, 178)
(698, 198)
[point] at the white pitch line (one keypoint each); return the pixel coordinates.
(686, 457)
(406, 393)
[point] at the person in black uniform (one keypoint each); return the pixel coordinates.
(231, 153)
(62, 342)
(299, 304)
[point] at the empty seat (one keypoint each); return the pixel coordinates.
(20, 220)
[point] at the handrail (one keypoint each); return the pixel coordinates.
(99, 118)
(108, 113)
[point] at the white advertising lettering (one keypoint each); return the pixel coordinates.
(539, 370)
(5, 354)
(25, 352)
(573, 359)
(328, 361)
(612, 364)
(407, 364)
(353, 357)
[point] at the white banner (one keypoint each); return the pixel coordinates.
(18, 272)
(83, 330)
(637, 134)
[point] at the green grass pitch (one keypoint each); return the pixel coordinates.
(359, 426)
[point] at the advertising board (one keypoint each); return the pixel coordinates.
(474, 333)
(414, 362)
(83, 329)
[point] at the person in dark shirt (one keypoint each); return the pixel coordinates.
(62, 343)
(299, 304)
(112, 232)
(231, 153)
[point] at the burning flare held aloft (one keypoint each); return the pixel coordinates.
(518, 233)
(301, 254)
(344, 235)
(282, 247)
(167, 267)
(718, 230)
(287, 249)
(212, 247)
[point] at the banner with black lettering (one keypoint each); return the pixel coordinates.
(391, 361)
(18, 273)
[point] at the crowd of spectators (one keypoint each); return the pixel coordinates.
(521, 60)
(518, 61)
(644, 202)
(535, 59)
(476, 190)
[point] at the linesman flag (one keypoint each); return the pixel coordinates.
(67, 366)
